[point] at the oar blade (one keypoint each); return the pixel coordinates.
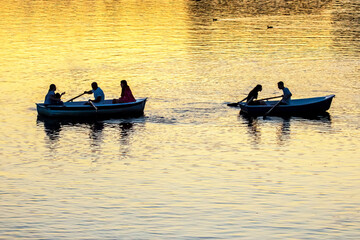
(233, 104)
(236, 104)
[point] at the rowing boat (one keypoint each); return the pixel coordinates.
(105, 109)
(297, 107)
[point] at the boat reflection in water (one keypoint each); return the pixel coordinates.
(54, 127)
(282, 125)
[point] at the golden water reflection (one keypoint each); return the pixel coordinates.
(190, 159)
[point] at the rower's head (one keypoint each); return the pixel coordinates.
(94, 85)
(52, 87)
(280, 85)
(258, 88)
(123, 83)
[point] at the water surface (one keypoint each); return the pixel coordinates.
(191, 167)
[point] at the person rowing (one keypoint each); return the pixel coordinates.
(253, 94)
(53, 98)
(99, 96)
(286, 97)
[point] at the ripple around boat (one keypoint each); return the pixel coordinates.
(103, 110)
(297, 107)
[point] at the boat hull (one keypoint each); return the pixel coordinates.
(297, 107)
(80, 110)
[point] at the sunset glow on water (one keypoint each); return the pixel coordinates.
(191, 167)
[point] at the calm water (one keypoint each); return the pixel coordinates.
(191, 167)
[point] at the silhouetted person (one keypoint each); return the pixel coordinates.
(286, 94)
(53, 98)
(253, 94)
(126, 94)
(99, 96)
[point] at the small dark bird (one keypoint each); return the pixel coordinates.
(270, 27)
(214, 19)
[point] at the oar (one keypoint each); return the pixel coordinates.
(268, 98)
(75, 97)
(92, 104)
(235, 104)
(268, 112)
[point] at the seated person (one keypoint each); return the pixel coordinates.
(58, 97)
(286, 94)
(254, 95)
(99, 96)
(53, 98)
(126, 94)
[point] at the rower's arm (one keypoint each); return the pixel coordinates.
(98, 99)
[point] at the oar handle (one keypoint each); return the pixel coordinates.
(268, 98)
(75, 97)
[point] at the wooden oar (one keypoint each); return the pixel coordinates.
(268, 112)
(268, 98)
(92, 104)
(235, 104)
(75, 97)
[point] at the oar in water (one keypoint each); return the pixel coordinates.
(92, 104)
(268, 112)
(235, 104)
(75, 97)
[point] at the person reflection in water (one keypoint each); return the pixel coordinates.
(126, 94)
(283, 132)
(53, 98)
(286, 94)
(253, 94)
(253, 129)
(96, 132)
